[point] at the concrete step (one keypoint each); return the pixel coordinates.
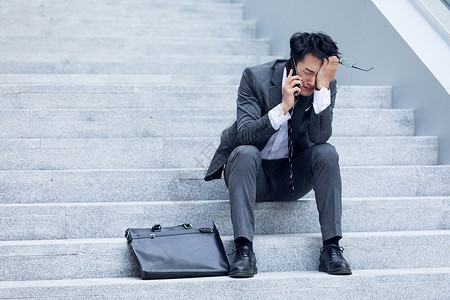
(137, 46)
(112, 258)
(178, 60)
(79, 154)
(162, 96)
(138, 123)
(80, 220)
(110, 2)
(35, 26)
(190, 66)
(188, 184)
(424, 283)
(171, 61)
(160, 10)
(118, 79)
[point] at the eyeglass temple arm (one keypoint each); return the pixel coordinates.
(341, 61)
(365, 70)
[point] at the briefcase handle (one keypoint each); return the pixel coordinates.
(157, 227)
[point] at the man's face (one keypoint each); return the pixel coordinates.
(307, 70)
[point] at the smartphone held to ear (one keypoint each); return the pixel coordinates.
(291, 65)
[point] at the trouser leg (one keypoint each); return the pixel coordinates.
(328, 189)
(246, 183)
(317, 167)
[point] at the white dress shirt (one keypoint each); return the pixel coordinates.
(277, 146)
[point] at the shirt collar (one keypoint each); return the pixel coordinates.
(284, 77)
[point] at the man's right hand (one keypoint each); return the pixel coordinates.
(289, 88)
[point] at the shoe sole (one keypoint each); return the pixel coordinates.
(336, 272)
(244, 274)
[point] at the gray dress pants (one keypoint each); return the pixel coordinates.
(251, 179)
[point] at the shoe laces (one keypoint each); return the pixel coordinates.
(338, 250)
(242, 253)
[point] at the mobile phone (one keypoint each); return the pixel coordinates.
(291, 65)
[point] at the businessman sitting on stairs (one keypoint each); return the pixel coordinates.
(277, 148)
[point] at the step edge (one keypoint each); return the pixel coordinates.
(258, 238)
(260, 276)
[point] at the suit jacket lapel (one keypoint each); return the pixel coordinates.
(275, 94)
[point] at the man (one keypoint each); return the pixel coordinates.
(277, 151)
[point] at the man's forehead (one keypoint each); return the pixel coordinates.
(311, 63)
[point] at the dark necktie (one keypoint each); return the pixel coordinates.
(291, 154)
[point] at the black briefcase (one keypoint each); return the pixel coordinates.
(179, 251)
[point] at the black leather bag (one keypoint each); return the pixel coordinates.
(179, 251)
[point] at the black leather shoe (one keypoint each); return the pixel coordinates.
(332, 261)
(244, 264)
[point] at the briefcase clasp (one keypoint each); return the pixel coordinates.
(156, 227)
(187, 226)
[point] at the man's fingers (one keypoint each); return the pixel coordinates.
(295, 89)
(295, 77)
(330, 62)
(289, 80)
(290, 73)
(290, 86)
(333, 59)
(295, 82)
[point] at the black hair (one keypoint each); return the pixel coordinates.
(318, 44)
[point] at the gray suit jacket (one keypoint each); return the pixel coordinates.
(259, 92)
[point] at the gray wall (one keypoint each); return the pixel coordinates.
(366, 37)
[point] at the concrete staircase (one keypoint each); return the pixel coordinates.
(110, 111)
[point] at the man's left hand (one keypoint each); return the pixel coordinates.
(327, 72)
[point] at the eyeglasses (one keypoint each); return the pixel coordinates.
(347, 63)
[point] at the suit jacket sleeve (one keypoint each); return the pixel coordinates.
(320, 130)
(253, 128)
